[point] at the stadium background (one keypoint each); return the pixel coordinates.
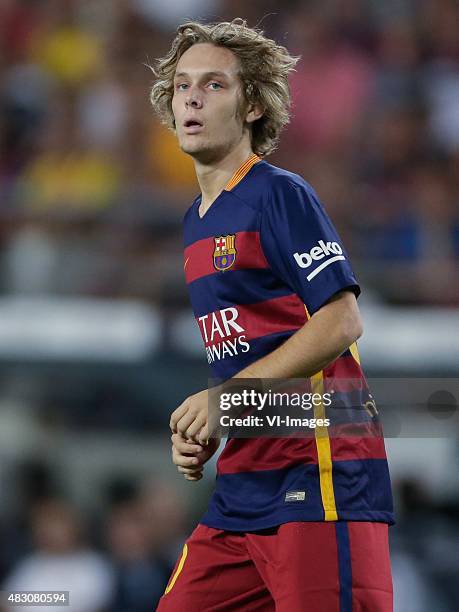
(97, 341)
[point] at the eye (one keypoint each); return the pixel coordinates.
(181, 86)
(215, 83)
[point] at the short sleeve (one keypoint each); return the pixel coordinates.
(302, 246)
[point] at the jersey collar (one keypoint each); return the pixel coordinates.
(242, 171)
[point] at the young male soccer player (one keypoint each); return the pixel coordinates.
(294, 523)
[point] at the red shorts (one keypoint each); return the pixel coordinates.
(305, 566)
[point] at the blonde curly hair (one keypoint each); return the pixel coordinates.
(264, 70)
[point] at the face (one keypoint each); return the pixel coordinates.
(207, 102)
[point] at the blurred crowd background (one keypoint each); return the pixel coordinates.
(97, 342)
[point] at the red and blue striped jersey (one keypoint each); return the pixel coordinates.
(258, 264)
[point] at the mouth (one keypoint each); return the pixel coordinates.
(192, 126)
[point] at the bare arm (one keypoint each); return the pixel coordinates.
(329, 332)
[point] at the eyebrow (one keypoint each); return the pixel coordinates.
(212, 73)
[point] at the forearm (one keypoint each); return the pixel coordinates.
(319, 342)
(329, 332)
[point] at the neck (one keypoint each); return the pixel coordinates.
(212, 177)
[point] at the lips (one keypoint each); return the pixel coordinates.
(192, 126)
(192, 122)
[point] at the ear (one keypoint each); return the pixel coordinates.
(254, 112)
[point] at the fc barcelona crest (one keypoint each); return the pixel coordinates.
(225, 252)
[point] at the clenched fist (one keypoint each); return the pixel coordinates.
(190, 457)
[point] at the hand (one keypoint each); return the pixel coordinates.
(190, 457)
(190, 419)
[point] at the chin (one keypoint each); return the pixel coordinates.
(190, 145)
(204, 153)
(198, 151)
(191, 149)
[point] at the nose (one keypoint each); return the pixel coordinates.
(193, 100)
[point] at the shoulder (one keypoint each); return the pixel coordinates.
(271, 184)
(282, 186)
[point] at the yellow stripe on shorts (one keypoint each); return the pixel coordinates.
(178, 570)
